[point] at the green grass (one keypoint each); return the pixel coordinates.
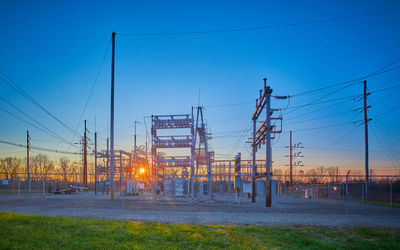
(22, 191)
(384, 203)
(33, 232)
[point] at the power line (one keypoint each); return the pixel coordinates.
(388, 88)
(323, 127)
(377, 72)
(50, 132)
(387, 139)
(330, 100)
(258, 27)
(349, 82)
(228, 105)
(385, 145)
(13, 85)
(324, 108)
(336, 141)
(387, 111)
(23, 120)
(239, 140)
(38, 148)
(91, 90)
(322, 117)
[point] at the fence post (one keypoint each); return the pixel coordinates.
(329, 191)
(42, 187)
(123, 196)
(347, 194)
(229, 183)
(76, 184)
(19, 189)
(391, 194)
(29, 190)
(285, 184)
(76, 189)
(363, 193)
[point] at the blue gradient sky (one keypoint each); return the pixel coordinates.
(53, 50)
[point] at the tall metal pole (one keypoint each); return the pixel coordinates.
(134, 142)
(85, 158)
(108, 163)
(291, 160)
(27, 166)
(253, 182)
(366, 141)
(121, 174)
(134, 148)
(112, 115)
(95, 163)
(193, 132)
(207, 155)
(268, 161)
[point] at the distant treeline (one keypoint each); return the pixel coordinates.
(40, 166)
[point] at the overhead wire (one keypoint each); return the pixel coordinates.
(259, 27)
(29, 123)
(49, 131)
(17, 88)
(38, 148)
(91, 90)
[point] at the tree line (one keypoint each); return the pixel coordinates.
(40, 166)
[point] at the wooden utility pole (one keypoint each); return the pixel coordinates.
(108, 163)
(253, 181)
(366, 120)
(95, 163)
(263, 134)
(291, 160)
(112, 116)
(85, 157)
(268, 162)
(27, 166)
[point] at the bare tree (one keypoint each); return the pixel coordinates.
(312, 178)
(332, 172)
(11, 166)
(41, 165)
(66, 169)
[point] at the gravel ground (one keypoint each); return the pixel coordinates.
(285, 212)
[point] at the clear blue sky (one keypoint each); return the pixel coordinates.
(54, 49)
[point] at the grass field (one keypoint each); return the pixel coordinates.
(32, 232)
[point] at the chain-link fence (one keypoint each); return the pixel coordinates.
(380, 191)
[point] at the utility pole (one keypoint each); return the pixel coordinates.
(85, 158)
(291, 160)
(263, 134)
(366, 120)
(108, 163)
(292, 156)
(134, 148)
(134, 142)
(268, 162)
(112, 115)
(95, 163)
(27, 165)
(253, 181)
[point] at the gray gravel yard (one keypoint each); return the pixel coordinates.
(285, 211)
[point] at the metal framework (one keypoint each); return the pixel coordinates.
(123, 168)
(263, 135)
(167, 167)
(203, 156)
